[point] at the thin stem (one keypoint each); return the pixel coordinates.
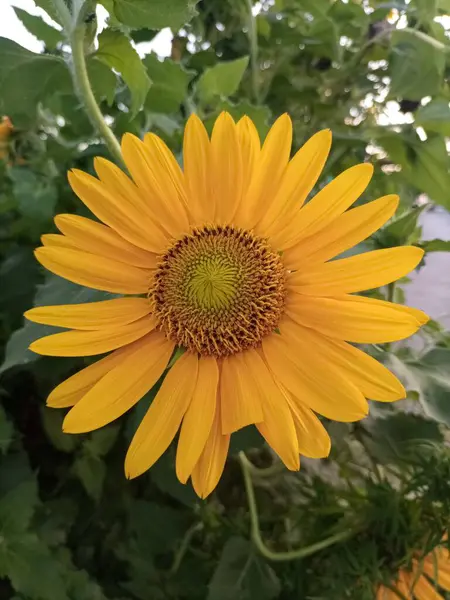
(253, 39)
(256, 532)
(84, 89)
(184, 546)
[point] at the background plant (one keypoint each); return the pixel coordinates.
(71, 526)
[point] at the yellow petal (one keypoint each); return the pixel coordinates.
(163, 418)
(240, 404)
(95, 272)
(197, 171)
(437, 567)
(355, 318)
(356, 273)
(269, 169)
(155, 183)
(371, 377)
(55, 239)
(90, 343)
(226, 165)
(209, 468)
(278, 426)
(199, 417)
(328, 204)
(299, 369)
(125, 215)
(423, 590)
(385, 593)
(89, 236)
(250, 145)
(92, 315)
(301, 175)
(70, 391)
(313, 439)
(169, 163)
(122, 387)
(343, 233)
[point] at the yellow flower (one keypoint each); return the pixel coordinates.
(220, 261)
(420, 583)
(6, 128)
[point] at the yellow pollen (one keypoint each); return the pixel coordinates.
(219, 290)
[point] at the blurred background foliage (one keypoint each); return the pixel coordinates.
(71, 527)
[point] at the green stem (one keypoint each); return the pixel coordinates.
(83, 86)
(75, 29)
(253, 39)
(256, 532)
(184, 546)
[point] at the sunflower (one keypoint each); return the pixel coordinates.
(422, 580)
(226, 278)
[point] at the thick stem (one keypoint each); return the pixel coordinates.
(75, 28)
(256, 533)
(84, 89)
(253, 38)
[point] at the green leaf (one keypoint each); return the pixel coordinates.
(101, 441)
(169, 84)
(6, 432)
(436, 246)
(36, 196)
(260, 115)
(116, 51)
(52, 421)
(434, 382)
(55, 290)
(35, 75)
(242, 575)
(164, 477)
(401, 229)
(32, 569)
(103, 80)
(91, 471)
(221, 80)
(17, 507)
(49, 8)
(416, 67)
(156, 527)
(39, 28)
(435, 116)
(399, 435)
(157, 14)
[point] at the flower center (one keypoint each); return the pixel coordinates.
(219, 290)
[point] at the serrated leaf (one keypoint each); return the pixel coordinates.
(103, 80)
(17, 507)
(36, 196)
(156, 14)
(116, 51)
(221, 80)
(242, 575)
(40, 29)
(436, 245)
(169, 84)
(416, 67)
(49, 8)
(433, 375)
(35, 75)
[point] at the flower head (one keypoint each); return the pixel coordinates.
(421, 582)
(222, 261)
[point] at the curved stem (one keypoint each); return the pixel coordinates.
(184, 546)
(256, 532)
(84, 89)
(253, 38)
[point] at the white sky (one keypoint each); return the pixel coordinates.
(12, 28)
